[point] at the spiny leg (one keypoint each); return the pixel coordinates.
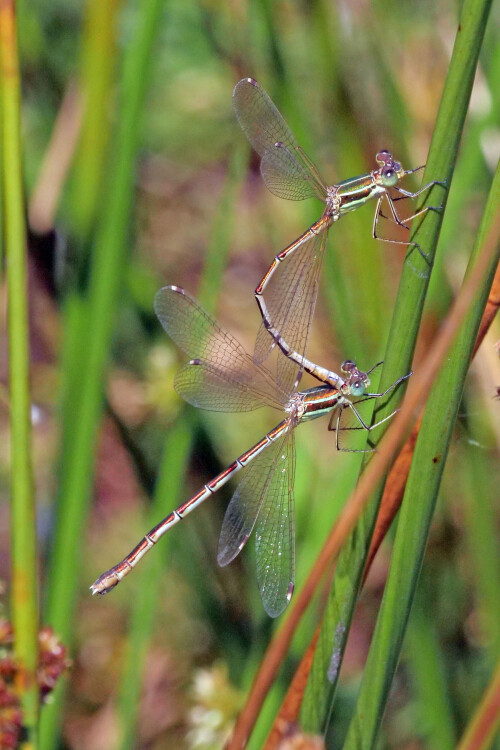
(405, 194)
(337, 429)
(362, 424)
(409, 194)
(384, 393)
(390, 388)
(378, 213)
(368, 372)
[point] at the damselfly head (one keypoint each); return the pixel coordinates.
(391, 170)
(356, 381)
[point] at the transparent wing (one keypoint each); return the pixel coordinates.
(275, 535)
(290, 297)
(287, 171)
(216, 354)
(261, 494)
(288, 177)
(207, 388)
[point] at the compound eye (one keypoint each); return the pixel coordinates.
(389, 176)
(358, 388)
(348, 365)
(382, 157)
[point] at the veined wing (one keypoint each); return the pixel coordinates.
(286, 169)
(218, 360)
(288, 177)
(290, 298)
(217, 389)
(275, 535)
(265, 493)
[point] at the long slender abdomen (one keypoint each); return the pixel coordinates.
(114, 575)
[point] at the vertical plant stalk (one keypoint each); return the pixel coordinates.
(99, 57)
(421, 492)
(23, 517)
(85, 394)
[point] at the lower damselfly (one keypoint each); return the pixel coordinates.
(289, 173)
(221, 376)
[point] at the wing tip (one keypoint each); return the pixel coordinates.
(276, 608)
(243, 81)
(158, 298)
(174, 288)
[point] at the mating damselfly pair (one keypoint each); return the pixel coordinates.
(222, 376)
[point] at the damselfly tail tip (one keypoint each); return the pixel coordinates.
(104, 584)
(289, 593)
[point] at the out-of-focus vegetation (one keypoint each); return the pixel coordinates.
(137, 175)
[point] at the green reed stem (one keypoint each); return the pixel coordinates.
(24, 597)
(99, 59)
(427, 669)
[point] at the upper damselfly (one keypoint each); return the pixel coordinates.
(289, 173)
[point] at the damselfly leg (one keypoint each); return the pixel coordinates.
(338, 426)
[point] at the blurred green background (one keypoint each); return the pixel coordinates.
(137, 175)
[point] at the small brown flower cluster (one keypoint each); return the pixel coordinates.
(52, 663)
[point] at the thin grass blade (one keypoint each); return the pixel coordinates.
(24, 595)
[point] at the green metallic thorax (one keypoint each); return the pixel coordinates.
(319, 401)
(357, 191)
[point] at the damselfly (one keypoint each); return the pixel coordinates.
(289, 173)
(221, 376)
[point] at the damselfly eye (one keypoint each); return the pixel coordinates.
(348, 365)
(358, 387)
(383, 157)
(389, 176)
